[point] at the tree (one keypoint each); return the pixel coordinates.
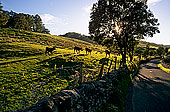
(39, 26)
(44, 30)
(118, 22)
(26, 22)
(139, 51)
(152, 51)
(160, 51)
(146, 51)
(37, 23)
(20, 21)
(3, 17)
(30, 21)
(10, 23)
(166, 50)
(132, 45)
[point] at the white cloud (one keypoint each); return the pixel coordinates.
(87, 9)
(56, 25)
(50, 19)
(153, 1)
(150, 1)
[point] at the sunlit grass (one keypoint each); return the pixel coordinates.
(28, 68)
(14, 93)
(28, 74)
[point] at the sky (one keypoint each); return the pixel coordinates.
(62, 16)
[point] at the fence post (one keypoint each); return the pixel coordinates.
(120, 63)
(135, 60)
(81, 75)
(127, 61)
(115, 62)
(62, 67)
(55, 67)
(101, 70)
(110, 66)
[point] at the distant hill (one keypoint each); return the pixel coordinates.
(167, 46)
(77, 36)
(144, 43)
(86, 39)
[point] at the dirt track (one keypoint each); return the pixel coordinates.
(150, 90)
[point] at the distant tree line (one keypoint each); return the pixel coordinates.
(77, 36)
(21, 21)
(151, 51)
(73, 35)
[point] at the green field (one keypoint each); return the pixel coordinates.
(28, 74)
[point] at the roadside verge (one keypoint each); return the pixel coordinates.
(163, 68)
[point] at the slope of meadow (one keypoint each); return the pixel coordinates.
(27, 74)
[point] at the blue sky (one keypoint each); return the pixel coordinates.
(62, 16)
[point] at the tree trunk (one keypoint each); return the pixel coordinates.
(124, 57)
(131, 58)
(124, 50)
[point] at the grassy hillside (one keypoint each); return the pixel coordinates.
(27, 74)
(19, 43)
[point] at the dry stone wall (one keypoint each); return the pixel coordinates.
(87, 97)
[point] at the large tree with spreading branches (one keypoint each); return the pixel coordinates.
(120, 23)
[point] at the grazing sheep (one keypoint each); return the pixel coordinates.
(107, 52)
(49, 50)
(76, 49)
(88, 50)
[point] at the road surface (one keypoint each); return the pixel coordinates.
(150, 90)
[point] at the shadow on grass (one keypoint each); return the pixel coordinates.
(21, 54)
(104, 60)
(59, 62)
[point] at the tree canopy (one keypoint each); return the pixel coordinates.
(160, 51)
(3, 16)
(22, 21)
(118, 22)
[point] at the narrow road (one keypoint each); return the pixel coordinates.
(150, 90)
